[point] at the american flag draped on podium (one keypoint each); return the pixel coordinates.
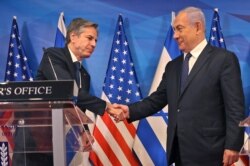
(150, 141)
(114, 141)
(216, 39)
(17, 69)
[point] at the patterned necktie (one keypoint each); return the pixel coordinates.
(185, 70)
(78, 73)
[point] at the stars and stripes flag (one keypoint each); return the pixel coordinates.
(150, 141)
(61, 32)
(113, 141)
(17, 69)
(216, 39)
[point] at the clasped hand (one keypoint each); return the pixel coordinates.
(119, 112)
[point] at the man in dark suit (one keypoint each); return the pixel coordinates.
(206, 107)
(61, 63)
(65, 64)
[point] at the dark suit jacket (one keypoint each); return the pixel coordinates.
(206, 115)
(65, 70)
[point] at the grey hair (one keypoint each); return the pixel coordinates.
(77, 26)
(195, 14)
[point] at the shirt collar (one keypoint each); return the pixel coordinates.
(198, 49)
(73, 57)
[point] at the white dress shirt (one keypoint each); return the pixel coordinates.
(196, 53)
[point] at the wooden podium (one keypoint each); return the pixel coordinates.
(39, 115)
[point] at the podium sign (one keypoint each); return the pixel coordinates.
(38, 90)
(38, 122)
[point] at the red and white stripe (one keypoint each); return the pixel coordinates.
(113, 141)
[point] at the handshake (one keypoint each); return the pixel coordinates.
(118, 111)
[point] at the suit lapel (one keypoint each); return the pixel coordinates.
(202, 59)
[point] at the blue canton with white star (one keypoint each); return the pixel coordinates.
(17, 68)
(121, 85)
(216, 37)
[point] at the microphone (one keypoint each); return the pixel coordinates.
(52, 67)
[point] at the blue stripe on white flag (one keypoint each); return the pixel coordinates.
(154, 138)
(60, 32)
(151, 139)
(171, 45)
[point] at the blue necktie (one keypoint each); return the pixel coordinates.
(185, 69)
(78, 73)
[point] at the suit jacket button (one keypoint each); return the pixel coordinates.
(178, 110)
